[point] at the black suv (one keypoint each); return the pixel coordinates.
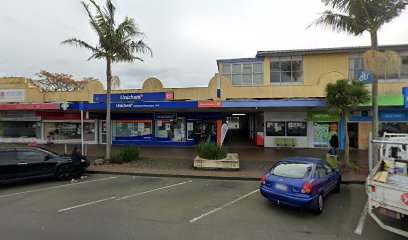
(21, 163)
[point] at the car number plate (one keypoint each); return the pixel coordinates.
(281, 187)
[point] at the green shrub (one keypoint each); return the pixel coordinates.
(211, 151)
(116, 158)
(130, 153)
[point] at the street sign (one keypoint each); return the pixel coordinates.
(81, 106)
(365, 77)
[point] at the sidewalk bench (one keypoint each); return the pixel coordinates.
(285, 142)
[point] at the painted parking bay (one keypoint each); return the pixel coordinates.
(166, 213)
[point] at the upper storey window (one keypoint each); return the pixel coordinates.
(244, 74)
(356, 63)
(287, 70)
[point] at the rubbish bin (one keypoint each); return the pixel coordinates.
(332, 160)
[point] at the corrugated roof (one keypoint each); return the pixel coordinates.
(356, 49)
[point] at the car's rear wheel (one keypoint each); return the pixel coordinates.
(64, 172)
(319, 205)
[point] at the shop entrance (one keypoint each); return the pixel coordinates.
(353, 134)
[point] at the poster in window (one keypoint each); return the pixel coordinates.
(159, 123)
(168, 127)
(140, 127)
(296, 129)
(275, 128)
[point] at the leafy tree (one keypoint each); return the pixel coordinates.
(356, 17)
(118, 42)
(60, 82)
(341, 97)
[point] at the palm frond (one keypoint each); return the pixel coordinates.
(340, 23)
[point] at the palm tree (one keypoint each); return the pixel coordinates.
(356, 17)
(117, 43)
(341, 97)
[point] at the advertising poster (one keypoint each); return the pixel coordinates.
(168, 126)
(321, 135)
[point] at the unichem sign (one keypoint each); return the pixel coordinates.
(135, 97)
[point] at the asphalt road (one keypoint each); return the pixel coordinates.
(125, 207)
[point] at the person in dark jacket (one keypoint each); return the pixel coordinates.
(334, 144)
(76, 157)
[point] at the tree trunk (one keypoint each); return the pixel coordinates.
(346, 144)
(374, 46)
(108, 108)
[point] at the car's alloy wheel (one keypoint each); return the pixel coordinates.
(64, 172)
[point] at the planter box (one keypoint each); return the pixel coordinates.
(231, 162)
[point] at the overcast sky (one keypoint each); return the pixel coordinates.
(186, 36)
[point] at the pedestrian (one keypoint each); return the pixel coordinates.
(76, 157)
(334, 144)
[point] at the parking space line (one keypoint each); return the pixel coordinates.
(153, 190)
(86, 204)
(223, 206)
(360, 225)
(59, 186)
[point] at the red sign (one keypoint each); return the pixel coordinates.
(169, 96)
(210, 104)
(60, 116)
(41, 106)
(404, 199)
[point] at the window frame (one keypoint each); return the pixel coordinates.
(231, 73)
(290, 59)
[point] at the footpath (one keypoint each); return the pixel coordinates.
(178, 162)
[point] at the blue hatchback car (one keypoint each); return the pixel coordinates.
(301, 182)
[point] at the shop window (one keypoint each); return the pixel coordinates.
(20, 129)
(296, 129)
(69, 131)
(132, 130)
(244, 74)
(171, 130)
(275, 128)
(395, 127)
(286, 70)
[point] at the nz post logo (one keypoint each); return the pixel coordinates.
(364, 76)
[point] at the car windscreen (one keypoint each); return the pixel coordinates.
(292, 169)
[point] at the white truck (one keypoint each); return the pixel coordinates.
(387, 184)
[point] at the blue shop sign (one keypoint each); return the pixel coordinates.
(135, 97)
(405, 93)
(137, 105)
(393, 116)
(166, 116)
(365, 76)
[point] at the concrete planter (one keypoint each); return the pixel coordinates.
(231, 162)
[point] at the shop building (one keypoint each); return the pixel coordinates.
(275, 99)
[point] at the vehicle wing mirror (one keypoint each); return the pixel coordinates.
(47, 157)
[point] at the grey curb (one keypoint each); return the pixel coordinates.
(195, 176)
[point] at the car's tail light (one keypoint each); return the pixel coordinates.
(372, 188)
(307, 187)
(263, 179)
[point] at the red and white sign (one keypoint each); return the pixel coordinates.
(12, 95)
(169, 96)
(404, 199)
(40, 106)
(210, 104)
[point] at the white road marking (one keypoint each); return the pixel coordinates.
(360, 225)
(59, 186)
(223, 206)
(153, 190)
(86, 204)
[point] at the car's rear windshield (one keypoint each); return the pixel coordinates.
(292, 170)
